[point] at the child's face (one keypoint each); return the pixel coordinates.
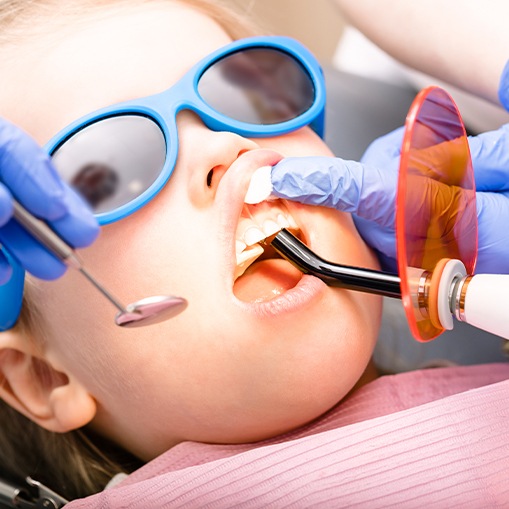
(244, 361)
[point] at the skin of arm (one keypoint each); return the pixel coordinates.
(462, 42)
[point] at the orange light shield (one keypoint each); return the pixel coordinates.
(435, 210)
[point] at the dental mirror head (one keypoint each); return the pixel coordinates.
(150, 310)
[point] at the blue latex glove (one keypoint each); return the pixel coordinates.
(368, 190)
(490, 158)
(503, 89)
(27, 174)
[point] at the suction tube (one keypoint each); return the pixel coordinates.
(477, 300)
(333, 274)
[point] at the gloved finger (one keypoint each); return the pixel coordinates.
(493, 234)
(434, 161)
(348, 186)
(5, 269)
(387, 263)
(432, 218)
(78, 227)
(5, 205)
(29, 253)
(445, 162)
(317, 181)
(384, 150)
(27, 171)
(503, 88)
(380, 238)
(490, 159)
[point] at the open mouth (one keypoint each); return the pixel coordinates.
(260, 273)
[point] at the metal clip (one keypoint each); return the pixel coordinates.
(36, 496)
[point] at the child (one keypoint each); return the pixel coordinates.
(260, 350)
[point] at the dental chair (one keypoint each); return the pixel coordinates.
(32, 496)
(359, 110)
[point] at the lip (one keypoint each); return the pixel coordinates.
(233, 188)
(230, 196)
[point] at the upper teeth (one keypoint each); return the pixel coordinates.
(257, 222)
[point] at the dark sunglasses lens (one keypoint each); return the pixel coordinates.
(258, 86)
(112, 161)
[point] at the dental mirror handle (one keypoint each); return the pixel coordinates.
(481, 301)
(51, 241)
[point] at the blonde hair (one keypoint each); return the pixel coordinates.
(17, 16)
(78, 463)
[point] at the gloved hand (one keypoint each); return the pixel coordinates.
(27, 174)
(490, 158)
(503, 89)
(368, 190)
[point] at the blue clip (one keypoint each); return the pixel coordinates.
(11, 295)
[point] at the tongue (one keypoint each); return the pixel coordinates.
(265, 280)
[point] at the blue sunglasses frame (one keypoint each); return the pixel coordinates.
(184, 95)
(163, 108)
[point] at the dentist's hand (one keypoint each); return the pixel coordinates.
(368, 190)
(27, 174)
(503, 87)
(490, 158)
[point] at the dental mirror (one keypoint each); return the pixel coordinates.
(150, 310)
(147, 311)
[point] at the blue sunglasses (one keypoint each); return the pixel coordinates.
(119, 157)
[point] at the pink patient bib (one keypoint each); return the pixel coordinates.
(435, 438)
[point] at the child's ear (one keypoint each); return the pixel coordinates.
(30, 384)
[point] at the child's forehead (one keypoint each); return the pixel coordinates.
(105, 60)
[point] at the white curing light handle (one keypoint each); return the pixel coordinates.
(486, 303)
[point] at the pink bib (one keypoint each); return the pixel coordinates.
(435, 438)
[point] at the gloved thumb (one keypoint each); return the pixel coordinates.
(348, 186)
(27, 171)
(490, 159)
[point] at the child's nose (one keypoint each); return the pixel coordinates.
(207, 154)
